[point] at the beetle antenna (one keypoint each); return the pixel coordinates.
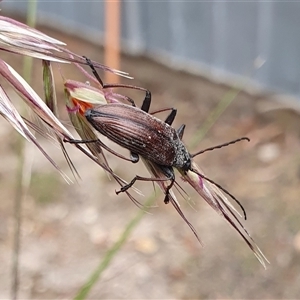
(221, 146)
(224, 190)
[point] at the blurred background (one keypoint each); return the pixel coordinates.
(190, 55)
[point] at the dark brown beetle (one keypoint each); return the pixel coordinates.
(145, 135)
(141, 133)
(161, 145)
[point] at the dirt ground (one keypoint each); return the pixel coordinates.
(66, 229)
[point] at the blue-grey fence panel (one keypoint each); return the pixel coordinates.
(157, 16)
(241, 36)
(219, 37)
(191, 30)
(284, 55)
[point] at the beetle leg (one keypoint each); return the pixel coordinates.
(146, 103)
(147, 100)
(168, 172)
(134, 157)
(170, 118)
(160, 110)
(180, 131)
(137, 177)
(129, 100)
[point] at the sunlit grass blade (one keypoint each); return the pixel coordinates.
(214, 196)
(51, 102)
(19, 38)
(8, 111)
(226, 100)
(32, 99)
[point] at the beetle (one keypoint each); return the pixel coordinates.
(145, 135)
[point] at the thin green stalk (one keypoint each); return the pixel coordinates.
(22, 181)
(31, 21)
(17, 218)
(227, 99)
(110, 254)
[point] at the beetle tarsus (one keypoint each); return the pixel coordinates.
(168, 173)
(127, 186)
(167, 200)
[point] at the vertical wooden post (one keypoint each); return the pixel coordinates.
(112, 38)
